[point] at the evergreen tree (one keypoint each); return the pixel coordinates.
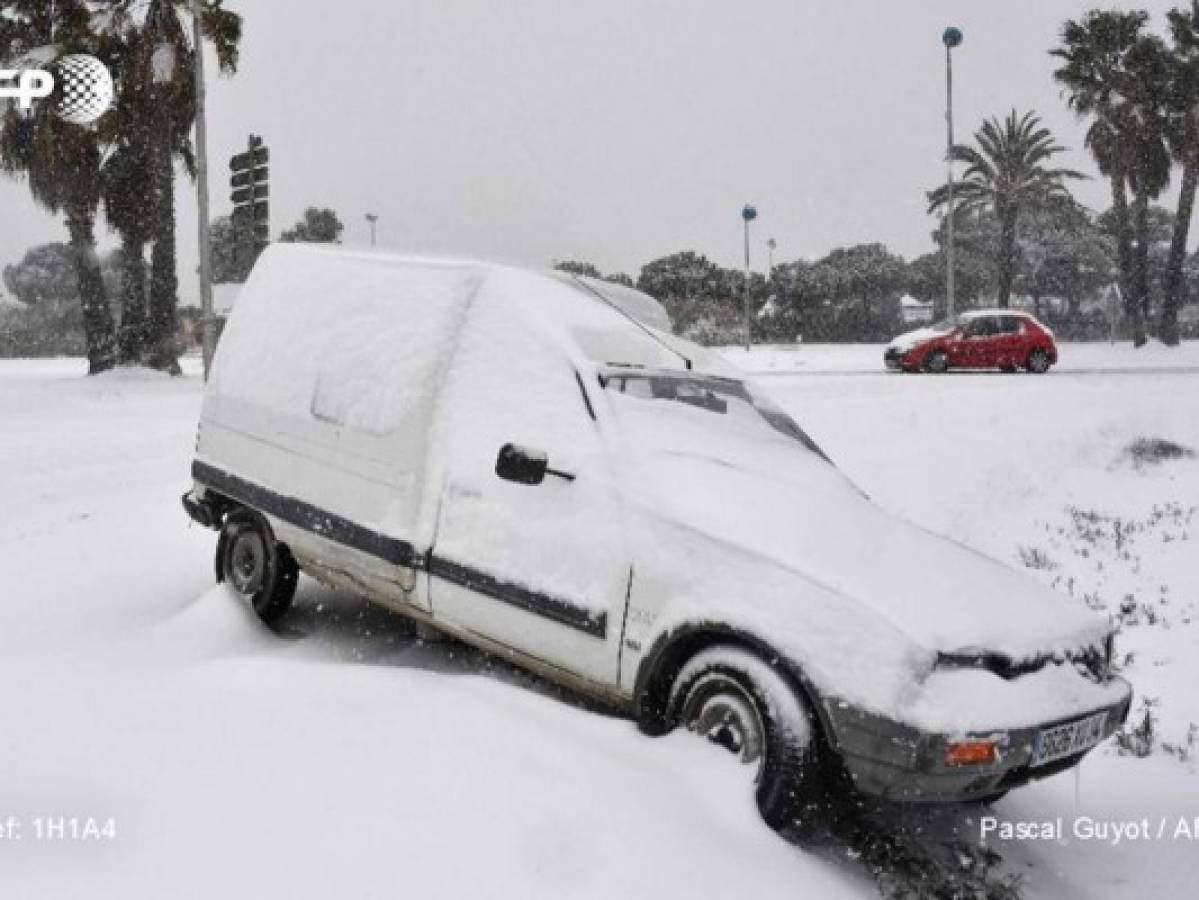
(319, 226)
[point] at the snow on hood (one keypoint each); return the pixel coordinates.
(910, 339)
(759, 491)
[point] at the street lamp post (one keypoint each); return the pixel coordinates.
(373, 219)
(951, 38)
(748, 214)
(207, 325)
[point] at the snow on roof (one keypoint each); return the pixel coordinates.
(395, 317)
(607, 322)
(909, 302)
(635, 304)
(996, 311)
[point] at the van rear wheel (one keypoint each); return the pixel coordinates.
(256, 566)
(736, 700)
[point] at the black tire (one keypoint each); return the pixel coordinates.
(256, 566)
(737, 700)
(1038, 362)
(936, 362)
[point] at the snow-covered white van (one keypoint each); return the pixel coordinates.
(533, 464)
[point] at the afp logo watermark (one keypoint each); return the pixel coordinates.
(81, 85)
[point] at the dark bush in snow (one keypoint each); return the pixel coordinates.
(1154, 451)
(48, 329)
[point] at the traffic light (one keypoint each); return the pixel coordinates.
(251, 199)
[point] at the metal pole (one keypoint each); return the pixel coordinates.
(747, 304)
(373, 219)
(949, 286)
(207, 325)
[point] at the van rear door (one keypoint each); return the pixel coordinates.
(321, 401)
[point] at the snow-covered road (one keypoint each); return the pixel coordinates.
(347, 758)
(867, 359)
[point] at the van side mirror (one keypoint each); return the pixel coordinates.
(521, 464)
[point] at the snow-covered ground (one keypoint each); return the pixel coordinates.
(1037, 471)
(347, 758)
(868, 358)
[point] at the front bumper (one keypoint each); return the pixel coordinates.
(203, 509)
(899, 360)
(895, 761)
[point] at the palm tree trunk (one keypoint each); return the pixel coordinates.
(1124, 256)
(164, 284)
(1007, 256)
(97, 317)
(1139, 299)
(133, 298)
(1173, 299)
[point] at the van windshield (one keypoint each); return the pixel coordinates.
(719, 396)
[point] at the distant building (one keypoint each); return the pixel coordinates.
(913, 311)
(1188, 321)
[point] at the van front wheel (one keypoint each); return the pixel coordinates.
(256, 566)
(735, 699)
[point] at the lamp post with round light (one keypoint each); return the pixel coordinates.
(951, 37)
(748, 214)
(207, 322)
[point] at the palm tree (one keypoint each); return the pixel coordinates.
(1148, 91)
(1106, 60)
(1184, 143)
(1005, 176)
(61, 161)
(129, 209)
(158, 104)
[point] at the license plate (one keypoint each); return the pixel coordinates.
(1068, 739)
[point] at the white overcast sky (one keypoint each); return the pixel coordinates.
(614, 131)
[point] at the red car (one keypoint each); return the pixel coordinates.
(980, 339)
